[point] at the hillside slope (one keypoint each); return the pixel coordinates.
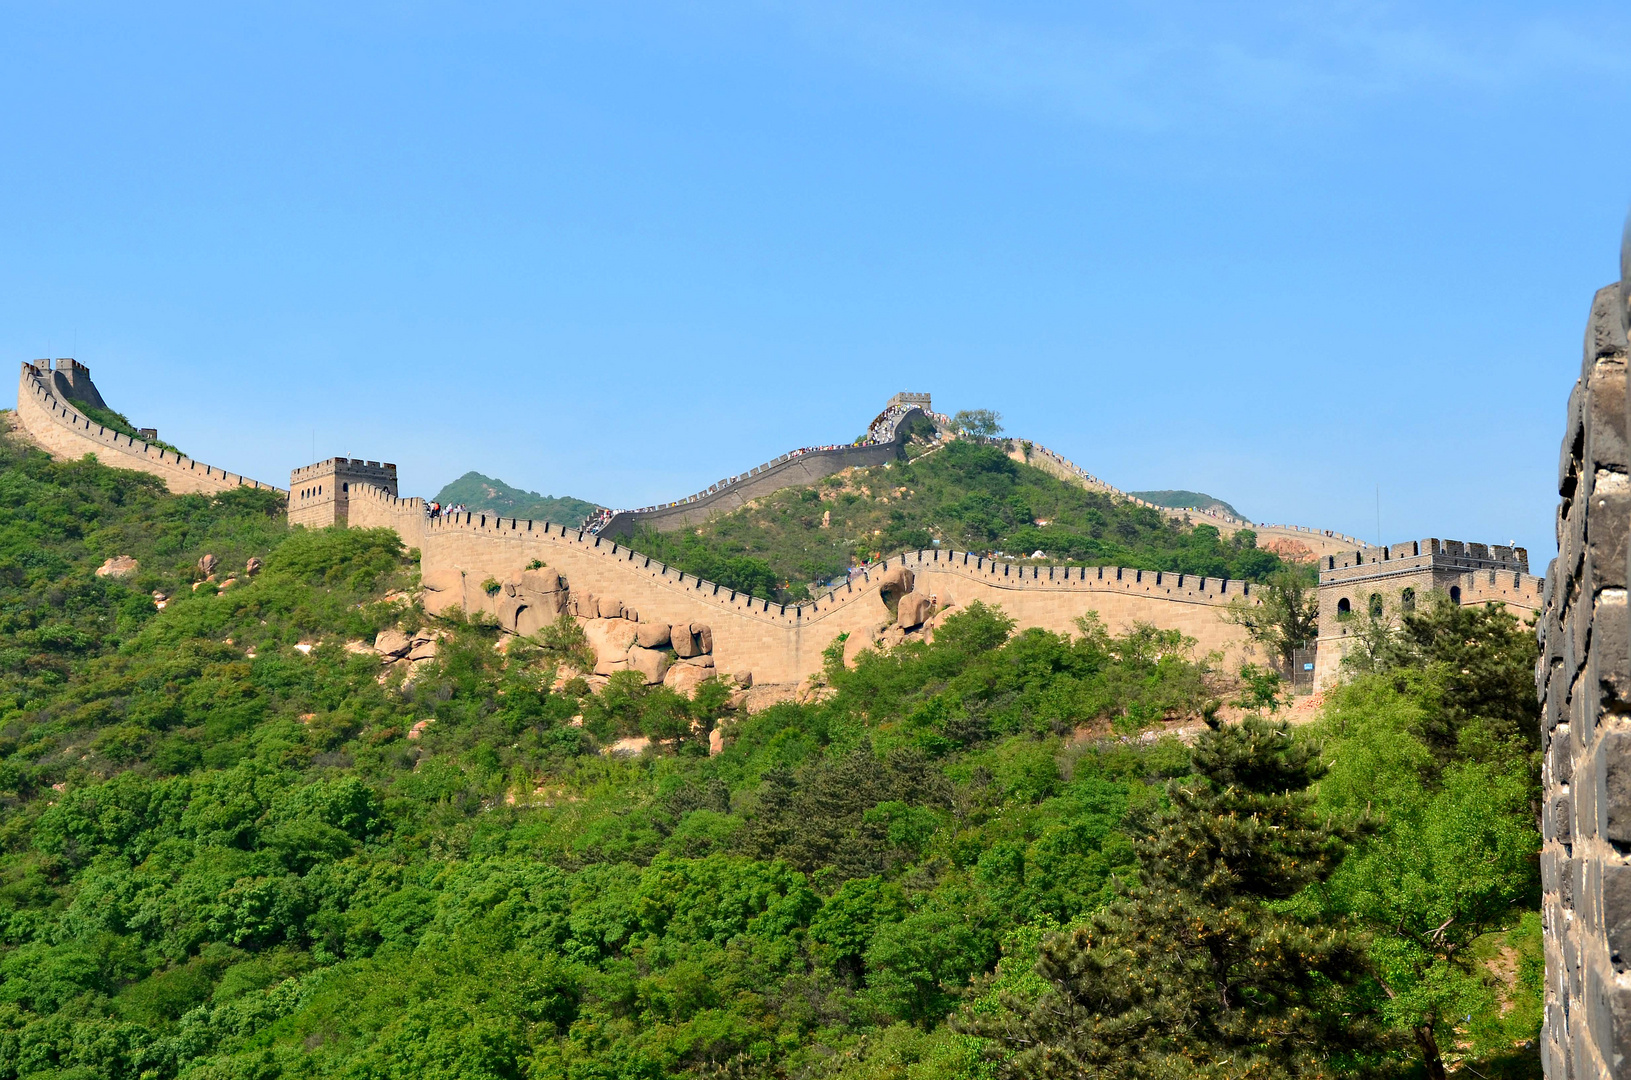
(962, 495)
(231, 844)
(490, 495)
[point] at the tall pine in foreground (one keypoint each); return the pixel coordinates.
(1201, 970)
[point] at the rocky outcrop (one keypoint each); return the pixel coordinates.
(531, 600)
(120, 566)
(652, 664)
(914, 610)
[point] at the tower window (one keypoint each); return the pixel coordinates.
(1376, 605)
(1407, 599)
(1455, 593)
(1344, 609)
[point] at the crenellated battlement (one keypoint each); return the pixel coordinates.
(63, 431)
(371, 507)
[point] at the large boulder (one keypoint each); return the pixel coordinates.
(684, 642)
(653, 635)
(585, 605)
(893, 584)
(531, 601)
(392, 644)
(206, 565)
(914, 610)
(120, 566)
(685, 678)
(252, 567)
(652, 664)
(609, 608)
(705, 636)
(610, 639)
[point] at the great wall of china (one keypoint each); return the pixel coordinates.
(475, 561)
(523, 572)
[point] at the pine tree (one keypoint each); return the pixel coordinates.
(1201, 970)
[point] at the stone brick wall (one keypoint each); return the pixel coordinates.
(62, 431)
(782, 644)
(1583, 677)
(790, 470)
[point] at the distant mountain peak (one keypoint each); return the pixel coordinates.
(488, 494)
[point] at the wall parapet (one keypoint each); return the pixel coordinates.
(373, 507)
(766, 478)
(64, 431)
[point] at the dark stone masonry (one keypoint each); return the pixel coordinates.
(1584, 680)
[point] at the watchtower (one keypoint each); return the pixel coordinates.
(1397, 577)
(70, 381)
(320, 494)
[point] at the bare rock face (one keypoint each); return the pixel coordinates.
(653, 635)
(424, 648)
(585, 605)
(392, 643)
(253, 566)
(609, 608)
(705, 636)
(652, 664)
(531, 600)
(610, 639)
(857, 642)
(895, 583)
(120, 566)
(206, 565)
(685, 678)
(684, 641)
(610, 665)
(914, 610)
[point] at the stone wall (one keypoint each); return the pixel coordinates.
(1584, 680)
(794, 469)
(783, 644)
(59, 429)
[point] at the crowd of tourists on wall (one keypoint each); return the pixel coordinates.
(435, 509)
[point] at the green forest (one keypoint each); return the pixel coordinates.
(222, 855)
(963, 495)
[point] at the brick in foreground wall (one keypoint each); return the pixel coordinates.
(1583, 677)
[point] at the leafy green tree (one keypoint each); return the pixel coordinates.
(1200, 971)
(979, 422)
(1286, 616)
(1453, 861)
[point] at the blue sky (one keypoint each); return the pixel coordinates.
(1284, 254)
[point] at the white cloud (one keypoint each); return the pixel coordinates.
(1164, 66)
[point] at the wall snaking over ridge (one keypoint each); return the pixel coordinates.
(63, 432)
(790, 470)
(782, 644)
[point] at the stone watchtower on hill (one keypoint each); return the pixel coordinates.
(320, 494)
(1395, 579)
